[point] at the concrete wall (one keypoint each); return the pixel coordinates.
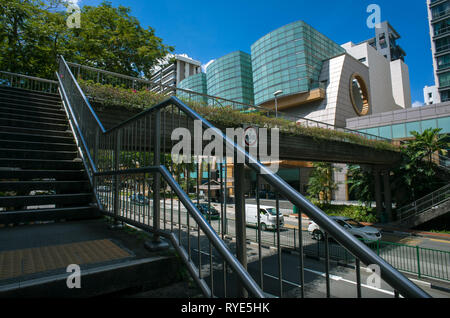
(381, 86)
(337, 105)
(401, 87)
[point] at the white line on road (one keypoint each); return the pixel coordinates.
(339, 278)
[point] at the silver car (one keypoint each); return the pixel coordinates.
(359, 230)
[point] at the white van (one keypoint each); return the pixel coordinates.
(268, 218)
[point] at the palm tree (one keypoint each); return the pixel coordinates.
(426, 144)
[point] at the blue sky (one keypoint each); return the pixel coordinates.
(207, 30)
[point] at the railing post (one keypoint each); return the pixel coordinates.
(116, 177)
(156, 243)
(419, 274)
(241, 242)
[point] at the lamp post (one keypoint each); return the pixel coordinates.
(276, 94)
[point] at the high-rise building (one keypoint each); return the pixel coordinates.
(439, 20)
(195, 83)
(290, 59)
(430, 95)
(230, 77)
(173, 69)
(385, 42)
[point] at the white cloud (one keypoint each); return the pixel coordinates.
(417, 104)
(205, 66)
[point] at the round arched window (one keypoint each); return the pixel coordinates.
(359, 95)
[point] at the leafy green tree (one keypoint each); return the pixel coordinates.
(417, 173)
(361, 185)
(321, 182)
(33, 33)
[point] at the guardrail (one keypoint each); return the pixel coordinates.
(134, 158)
(28, 82)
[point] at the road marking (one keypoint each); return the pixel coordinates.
(284, 281)
(339, 278)
(440, 241)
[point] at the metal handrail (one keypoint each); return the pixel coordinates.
(153, 85)
(220, 246)
(423, 204)
(361, 251)
(32, 83)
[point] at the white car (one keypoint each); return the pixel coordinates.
(359, 230)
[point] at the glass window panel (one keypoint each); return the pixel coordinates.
(444, 123)
(398, 131)
(415, 126)
(386, 132)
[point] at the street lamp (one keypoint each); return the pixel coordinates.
(276, 94)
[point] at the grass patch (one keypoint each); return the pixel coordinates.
(110, 96)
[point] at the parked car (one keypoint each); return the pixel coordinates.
(139, 199)
(268, 219)
(208, 211)
(359, 230)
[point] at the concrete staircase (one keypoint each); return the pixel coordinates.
(425, 209)
(41, 176)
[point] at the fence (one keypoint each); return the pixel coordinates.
(423, 262)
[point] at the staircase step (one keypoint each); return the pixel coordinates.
(30, 102)
(75, 213)
(29, 97)
(38, 164)
(58, 186)
(27, 92)
(66, 175)
(28, 107)
(16, 144)
(57, 199)
(37, 154)
(32, 124)
(38, 135)
(36, 113)
(34, 118)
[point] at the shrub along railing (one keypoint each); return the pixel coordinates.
(130, 165)
(105, 77)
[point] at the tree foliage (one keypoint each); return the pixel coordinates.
(417, 173)
(361, 183)
(33, 33)
(321, 182)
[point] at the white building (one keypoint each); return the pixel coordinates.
(174, 68)
(389, 80)
(431, 95)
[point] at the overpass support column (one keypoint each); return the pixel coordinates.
(387, 195)
(378, 199)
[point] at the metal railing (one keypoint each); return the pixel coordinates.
(105, 77)
(28, 82)
(429, 201)
(136, 182)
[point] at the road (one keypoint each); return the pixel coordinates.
(288, 238)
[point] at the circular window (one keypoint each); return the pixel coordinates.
(359, 95)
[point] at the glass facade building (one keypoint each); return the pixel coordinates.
(403, 130)
(439, 20)
(195, 83)
(290, 59)
(231, 77)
